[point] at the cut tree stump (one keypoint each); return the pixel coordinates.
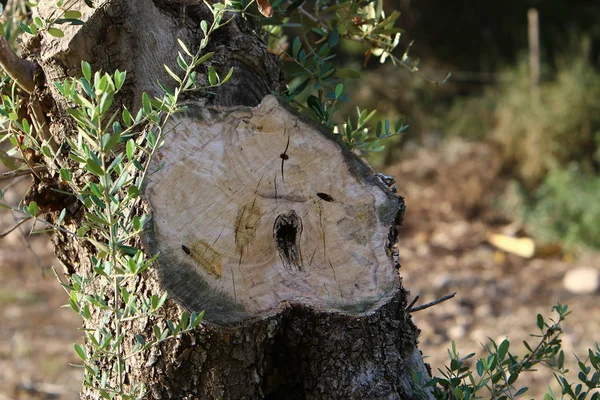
(262, 219)
(256, 208)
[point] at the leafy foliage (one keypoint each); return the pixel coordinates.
(554, 213)
(496, 376)
(317, 85)
(110, 153)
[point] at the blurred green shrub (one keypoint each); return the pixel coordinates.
(566, 207)
(550, 141)
(559, 127)
(472, 117)
(497, 375)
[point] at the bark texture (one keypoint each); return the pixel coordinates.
(321, 309)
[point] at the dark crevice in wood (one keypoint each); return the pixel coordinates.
(287, 232)
(325, 197)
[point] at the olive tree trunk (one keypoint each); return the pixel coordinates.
(261, 218)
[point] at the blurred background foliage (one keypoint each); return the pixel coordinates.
(549, 141)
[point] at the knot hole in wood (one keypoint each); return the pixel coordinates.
(286, 232)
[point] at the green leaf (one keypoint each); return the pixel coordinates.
(117, 128)
(156, 331)
(110, 141)
(296, 47)
(25, 28)
(183, 322)
(38, 22)
(315, 104)
(33, 209)
(160, 302)
(80, 351)
(196, 319)
(347, 73)
(300, 88)
(339, 90)
(47, 151)
(213, 78)
(184, 48)
(56, 32)
(561, 360)
(127, 119)
(146, 106)
(119, 79)
(97, 220)
(136, 222)
(333, 38)
(151, 138)
(106, 101)
(66, 175)
(171, 325)
(521, 391)
(140, 339)
(227, 76)
(7, 160)
(130, 149)
(82, 231)
(95, 189)
(119, 183)
(138, 165)
(61, 217)
(479, 367)
(540, 321)
(183, 65)
(133, 191)
(503, 349)
(204, 58)
(87, 87)
(93, 166)
(72, 14)
(173, 74)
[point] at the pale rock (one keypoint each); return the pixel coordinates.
(457, 332)
(582, 280)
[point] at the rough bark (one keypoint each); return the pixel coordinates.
(325, 315)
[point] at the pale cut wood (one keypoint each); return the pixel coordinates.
(255, 208)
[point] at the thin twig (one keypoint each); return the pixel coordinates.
(21, 172)
(21, 222)
(60, 280)
(312, 18)
(25, 239)
(17, 68)
(41, 125)
(412, 303)
(433, 303)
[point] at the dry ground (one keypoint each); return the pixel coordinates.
(36, 334)
(454, 199)
(451, 197)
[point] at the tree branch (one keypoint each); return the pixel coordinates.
(21, 172)
(16, 67)
(433, 303)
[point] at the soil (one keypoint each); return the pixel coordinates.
(453, 196)
(37, 335)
